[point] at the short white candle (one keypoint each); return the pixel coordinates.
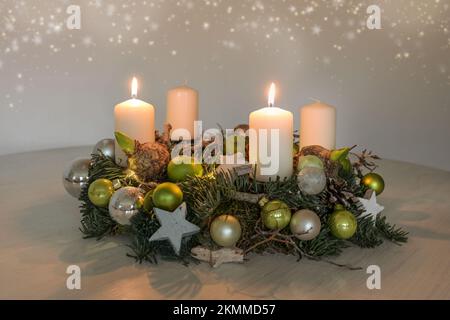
(318, 125)
(182, 111)
(136, 119)
(272, 118)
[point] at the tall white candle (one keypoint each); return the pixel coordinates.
(271, 120)
(318, 125)
(136, 119)
(182, 112)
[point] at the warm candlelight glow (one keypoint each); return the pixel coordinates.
(271, 99)
(134, 87)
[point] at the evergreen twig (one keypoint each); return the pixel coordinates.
(225, 192)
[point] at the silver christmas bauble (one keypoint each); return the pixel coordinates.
(312, 180)
(125, 204)
(76, 175)
(305, 224)
(105, 146)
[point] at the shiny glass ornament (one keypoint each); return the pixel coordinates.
(342, 224)
(100, 191)
(305, 224)
(125, 204)
(225, 230)
(105, 146)
(276, 214)
(167, 196)
(76, 176)
(373, 181)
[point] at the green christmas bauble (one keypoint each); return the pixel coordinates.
(148, 201)
(276, 214)
(342, 224)
(181, 167)
(373, 181)
(225, 230)
(309, 161)
(167, 196)
(100, 191)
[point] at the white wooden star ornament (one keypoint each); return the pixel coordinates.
(174, 226)
(371, 207)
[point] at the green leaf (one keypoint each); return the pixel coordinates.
(339, 154)
(125, 142)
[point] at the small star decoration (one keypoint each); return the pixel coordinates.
(371, 207)
(174, 226)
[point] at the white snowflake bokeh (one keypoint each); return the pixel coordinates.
(206, 37)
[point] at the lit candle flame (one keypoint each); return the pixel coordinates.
(134, 87)
(271, 99)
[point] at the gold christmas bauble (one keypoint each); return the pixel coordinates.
(225, 230)
(373, 181)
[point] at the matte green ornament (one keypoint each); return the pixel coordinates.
(182, 167)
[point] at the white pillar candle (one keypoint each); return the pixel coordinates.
(136, 119)
(262, 149)
(182, 112)
(318, 125)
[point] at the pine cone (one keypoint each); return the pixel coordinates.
(149, 161)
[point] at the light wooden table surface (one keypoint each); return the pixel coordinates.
(39, 238)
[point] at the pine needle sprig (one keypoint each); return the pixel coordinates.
(391, 232)
(96, 222)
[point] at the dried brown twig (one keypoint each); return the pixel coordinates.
(365, 159)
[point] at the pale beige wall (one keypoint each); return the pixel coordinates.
(391, 86)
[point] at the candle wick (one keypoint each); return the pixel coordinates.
(133, 96)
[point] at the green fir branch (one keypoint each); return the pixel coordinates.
(391, 232)
(214, 194)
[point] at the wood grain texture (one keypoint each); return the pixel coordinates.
(39, 238)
